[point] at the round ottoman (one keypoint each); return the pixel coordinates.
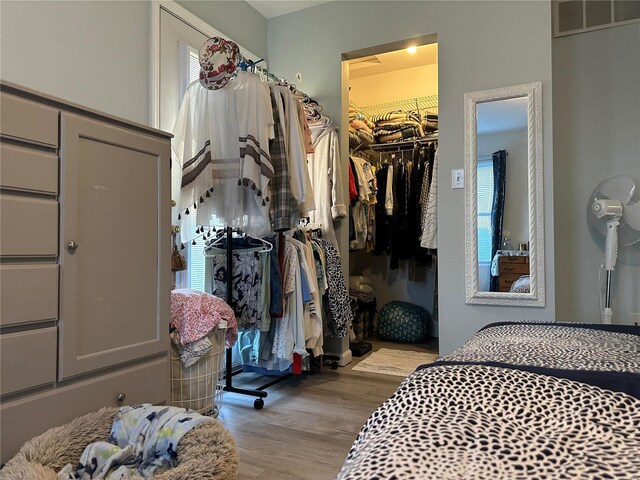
(403, 322)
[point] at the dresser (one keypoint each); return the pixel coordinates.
(84, 263)
(511, 268)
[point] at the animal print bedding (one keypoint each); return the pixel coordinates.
(606, 356)
(478, 422)
(517, 401)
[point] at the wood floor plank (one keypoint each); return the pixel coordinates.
(308, 422)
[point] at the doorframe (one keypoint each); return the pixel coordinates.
(195, 22)
(346, 57)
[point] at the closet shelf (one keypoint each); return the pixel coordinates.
(424, 105)
(379, 147)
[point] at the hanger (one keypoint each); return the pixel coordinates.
(222, 236)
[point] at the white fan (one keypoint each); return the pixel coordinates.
(613, 210)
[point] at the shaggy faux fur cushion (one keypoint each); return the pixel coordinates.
(208, 452)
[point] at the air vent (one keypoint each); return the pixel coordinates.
(577, 16)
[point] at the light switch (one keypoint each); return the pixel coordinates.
(457, 178)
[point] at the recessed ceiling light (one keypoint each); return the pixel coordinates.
(412, 49)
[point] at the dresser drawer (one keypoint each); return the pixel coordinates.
(28, 226)
(28, 121)
(505, 280)
(25, 418)
(28, 359)
(522, 268)
(521, 259)
(29, 293)
(28, 169)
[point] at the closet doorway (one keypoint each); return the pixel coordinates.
(392, 97)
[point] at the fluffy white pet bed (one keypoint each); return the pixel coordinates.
(208, 452)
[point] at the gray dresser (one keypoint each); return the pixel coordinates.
(84, 263)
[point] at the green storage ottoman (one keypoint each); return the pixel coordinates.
(403, 322)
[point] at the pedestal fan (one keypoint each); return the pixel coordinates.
(613, 210)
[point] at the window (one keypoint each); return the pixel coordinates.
(189, 66)
(177, 35)
(485, 204)
(189, 72)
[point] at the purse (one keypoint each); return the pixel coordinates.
(178, 262)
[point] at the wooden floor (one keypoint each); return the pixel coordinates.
(308, 422)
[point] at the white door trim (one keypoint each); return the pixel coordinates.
(190, 19)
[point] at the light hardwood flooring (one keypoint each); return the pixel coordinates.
(309, 421)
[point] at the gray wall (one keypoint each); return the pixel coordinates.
(516, 209)
(596, 106)
(98, 53)
(93, 53)
(481, 45)
(236, 19)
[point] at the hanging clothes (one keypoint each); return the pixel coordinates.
(383, 210)
(403, 225)
(283, 206)
(363, 214)
(300, 182)
(246, 285)
(429, 238)
(326, 170)
(221, 142)
(337, 310)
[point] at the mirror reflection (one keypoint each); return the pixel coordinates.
(503, 196)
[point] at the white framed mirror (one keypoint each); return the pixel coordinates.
(504, 204)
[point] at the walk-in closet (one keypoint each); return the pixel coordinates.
(393, 141)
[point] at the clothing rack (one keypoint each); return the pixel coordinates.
(229, 371)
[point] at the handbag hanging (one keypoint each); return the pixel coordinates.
(178, 262)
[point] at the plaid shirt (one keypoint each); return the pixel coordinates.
(282, 204)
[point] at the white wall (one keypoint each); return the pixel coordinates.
(596, 107)
(516, 208)
(481, 45)
(398, 85)
(93, 53)
(97, 53)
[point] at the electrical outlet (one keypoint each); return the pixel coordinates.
(634, 318)
(457, 178)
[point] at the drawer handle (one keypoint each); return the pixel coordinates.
(121, 397)
(507, 269)
(72, 245)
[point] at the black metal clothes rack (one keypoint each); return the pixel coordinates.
(259, 392)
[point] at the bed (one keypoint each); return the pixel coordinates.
(518, 400)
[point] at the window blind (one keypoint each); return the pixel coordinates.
(195, 252)
(484, 203)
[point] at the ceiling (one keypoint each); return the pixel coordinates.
(392, 61)
(270, 9)
(502, 115)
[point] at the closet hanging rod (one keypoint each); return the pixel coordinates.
(397, 146)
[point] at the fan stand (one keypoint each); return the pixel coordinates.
(611, 254)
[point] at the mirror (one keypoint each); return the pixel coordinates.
(504, 212)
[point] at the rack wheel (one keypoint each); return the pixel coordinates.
(258, 403)
(334, 365)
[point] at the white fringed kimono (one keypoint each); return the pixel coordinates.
(221, 142)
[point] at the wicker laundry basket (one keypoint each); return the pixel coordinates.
(199, 387)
